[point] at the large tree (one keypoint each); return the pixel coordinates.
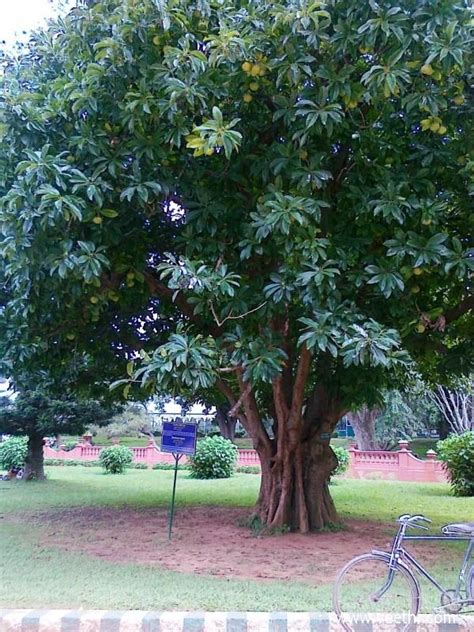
(37, 414)
(268, 199)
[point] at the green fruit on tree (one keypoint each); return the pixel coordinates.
(427, 69)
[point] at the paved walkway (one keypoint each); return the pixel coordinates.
(143, 621)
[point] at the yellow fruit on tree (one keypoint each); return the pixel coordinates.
(246, 66)
(434, 127)
(247, 97)
(254, 86)
(415, 289)
(426, 124)
(418, 271)
(255, 70)
(94, 300)
(420, 328)
(97, 219)
(426, 221)
(442, 129)
(427, 69)
(459, 100)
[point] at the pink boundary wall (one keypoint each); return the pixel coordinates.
(148, 455)
(401, 465)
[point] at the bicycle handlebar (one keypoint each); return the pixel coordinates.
(411, 521)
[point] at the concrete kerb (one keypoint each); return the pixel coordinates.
(144, 621)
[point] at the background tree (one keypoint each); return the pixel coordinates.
(270, 199)
(36, 414)
(380, 428)
(456, 404)
(133, 421)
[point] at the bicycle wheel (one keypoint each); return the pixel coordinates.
(358, 588)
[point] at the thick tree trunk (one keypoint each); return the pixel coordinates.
(363, 422)
(296, 458)
(294, 492)
(34, 464)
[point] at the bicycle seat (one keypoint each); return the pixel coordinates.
(460, 528)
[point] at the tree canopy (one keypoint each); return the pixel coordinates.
(267, 199)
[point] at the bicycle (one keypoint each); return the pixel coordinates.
(389, 578)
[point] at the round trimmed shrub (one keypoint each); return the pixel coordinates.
(13, 452)
(215, 458)
(457, 454)
(342, 456)
(115, 459)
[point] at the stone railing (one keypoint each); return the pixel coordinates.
(401, 465)
(148, 455)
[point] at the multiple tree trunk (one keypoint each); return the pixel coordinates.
(296, 459)
(456, 406)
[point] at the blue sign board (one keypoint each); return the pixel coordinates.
(179, 437)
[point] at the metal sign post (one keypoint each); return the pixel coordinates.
(179, 438)
(177, 458)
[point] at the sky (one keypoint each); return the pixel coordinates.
(22, 15)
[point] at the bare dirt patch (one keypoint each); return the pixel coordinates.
(209, 541)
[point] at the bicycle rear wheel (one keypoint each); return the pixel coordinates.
(357, 592)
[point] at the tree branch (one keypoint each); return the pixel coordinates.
(465, 306)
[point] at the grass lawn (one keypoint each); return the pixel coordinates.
(33, 575)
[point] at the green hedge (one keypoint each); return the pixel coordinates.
(457, 453)
(116, 459)
(13, 452)
(215, 457)
(342, 456)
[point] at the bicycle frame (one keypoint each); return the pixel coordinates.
(422, 570)
(399, 554)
